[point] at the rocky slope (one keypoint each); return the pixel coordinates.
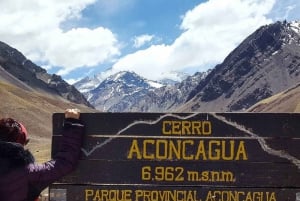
(286, 101)
(36, 78)
(265, 63)
(34, 109)
(31, 95)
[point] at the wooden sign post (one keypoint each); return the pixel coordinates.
(184, 157)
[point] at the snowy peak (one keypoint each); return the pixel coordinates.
(118, 87)
(87, 84)
(130, 79)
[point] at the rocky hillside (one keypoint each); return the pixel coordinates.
(31, 95)
(34, 110)
(286, 101)
(17, 65)
(264, 64)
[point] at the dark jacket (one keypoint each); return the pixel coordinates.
(23, 180)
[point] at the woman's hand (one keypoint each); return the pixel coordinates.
(72, 113)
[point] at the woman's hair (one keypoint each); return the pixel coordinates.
(13, 131)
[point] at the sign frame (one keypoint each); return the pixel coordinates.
(212, 156)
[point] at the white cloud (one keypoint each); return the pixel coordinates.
(81, 47)
(210, 31)
(141, 40)
(111, 7)
(286, 10)
(33, 27)
(149, 63)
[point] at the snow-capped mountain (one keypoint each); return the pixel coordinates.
(88, 83)
(119, 86)
(127, 92)
(166, 98)
(265, 63)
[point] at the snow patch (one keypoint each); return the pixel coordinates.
(155, 84)
(274, 53)
(295, 26)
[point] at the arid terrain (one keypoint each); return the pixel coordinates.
(35, 111)
(286, 101)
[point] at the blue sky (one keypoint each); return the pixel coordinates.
(78, 38)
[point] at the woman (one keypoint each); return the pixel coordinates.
(20, 178)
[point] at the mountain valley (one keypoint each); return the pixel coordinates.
(261, 75)
(264, 64)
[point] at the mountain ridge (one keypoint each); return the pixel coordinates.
(35, 77)
(262, 73)
(30, 95)
(265, 63)
(141, 95)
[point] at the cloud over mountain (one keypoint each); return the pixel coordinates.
(209, 32)
(35, 28)
(70, 36)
